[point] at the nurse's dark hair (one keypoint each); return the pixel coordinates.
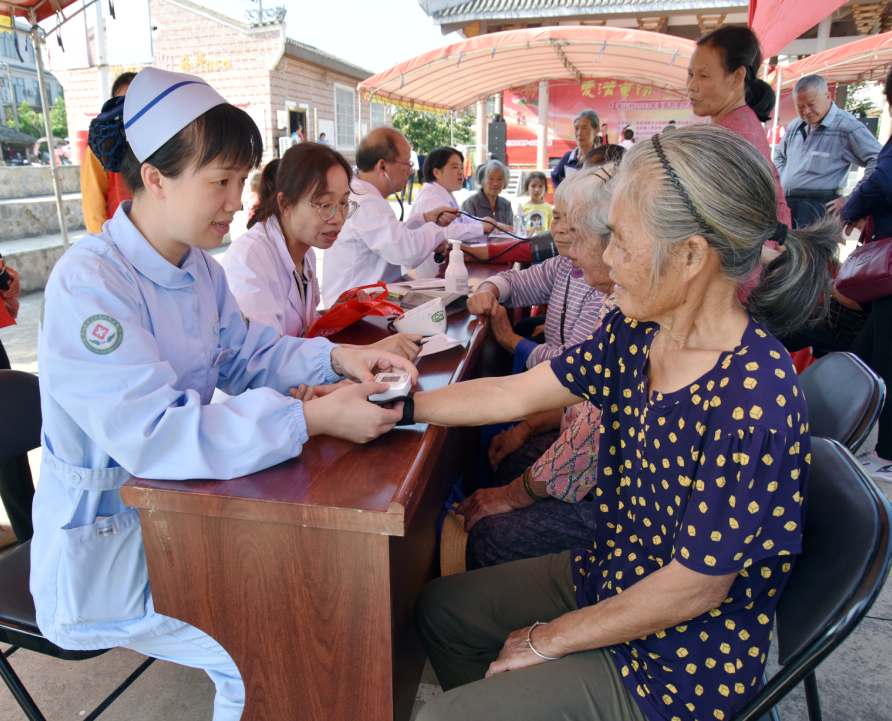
(437, 159)
(301, 173)
(739, 48)
(225, 134)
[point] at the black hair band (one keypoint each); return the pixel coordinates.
(780, 233)
(704, 226)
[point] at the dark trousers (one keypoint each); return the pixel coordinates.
(465, 619)
(16, 484)
(410, 188)
(808, 207)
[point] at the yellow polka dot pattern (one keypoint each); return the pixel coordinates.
(713, 476)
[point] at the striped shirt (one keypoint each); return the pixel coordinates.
(552, 282)
(821, 159)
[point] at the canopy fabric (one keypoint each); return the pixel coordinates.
(458, 75)
(45, 8)
(863, 60)
(778, 22)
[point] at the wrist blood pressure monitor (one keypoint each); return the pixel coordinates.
(400, 384)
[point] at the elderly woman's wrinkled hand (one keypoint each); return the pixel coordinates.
(483, 302)
(502, 328)
(516, 654)
(485, 502)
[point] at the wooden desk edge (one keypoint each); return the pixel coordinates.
(391, 522)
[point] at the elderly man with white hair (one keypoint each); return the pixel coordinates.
(818, 150)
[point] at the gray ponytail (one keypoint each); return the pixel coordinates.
(731, 188)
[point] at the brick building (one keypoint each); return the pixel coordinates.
(281, 83)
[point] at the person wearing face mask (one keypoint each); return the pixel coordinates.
(818, 150)
(374, 244)
(271, 269)
(585, 128)
(723, 86)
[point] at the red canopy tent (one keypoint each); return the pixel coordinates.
(778, 22)
(34, 11)
(867, 59)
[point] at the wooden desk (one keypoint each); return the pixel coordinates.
(307, 573)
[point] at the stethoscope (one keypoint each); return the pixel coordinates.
(303, 291)
(398, 199)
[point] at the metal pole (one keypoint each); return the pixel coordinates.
(776, 112)
(101, 60)
(35, 39)
(15, 111)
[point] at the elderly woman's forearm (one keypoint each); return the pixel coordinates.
(493, 400)
(669, 597)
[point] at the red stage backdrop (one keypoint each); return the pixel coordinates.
(619, 103)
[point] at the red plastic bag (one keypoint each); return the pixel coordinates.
(352, 309)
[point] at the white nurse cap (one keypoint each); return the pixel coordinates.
(159, 104)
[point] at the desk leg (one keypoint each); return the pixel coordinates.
(304, 612)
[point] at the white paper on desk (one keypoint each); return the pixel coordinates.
(437, 344)
(420, 284)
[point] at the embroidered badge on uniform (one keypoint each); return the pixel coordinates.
(215, 326)
(101, 334)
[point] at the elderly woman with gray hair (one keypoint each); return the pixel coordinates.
(506, 523)
(702, 467)
(585, 128)
(486, 202)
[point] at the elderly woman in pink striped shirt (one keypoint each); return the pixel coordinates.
(505, 523)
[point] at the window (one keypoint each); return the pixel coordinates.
(19, 85)
(345, 116)
(7, 45)
(379, 115)
(37, 98)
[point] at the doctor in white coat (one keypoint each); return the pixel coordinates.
(304, 201)
(374, 245)
(444, 175)
(137, 330)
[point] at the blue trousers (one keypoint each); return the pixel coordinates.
(190, 647)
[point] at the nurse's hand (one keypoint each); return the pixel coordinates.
(361, 365)
(401, 344)
(305, 393)
(347, 414)
(442, 216)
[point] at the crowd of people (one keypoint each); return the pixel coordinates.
(647, 506)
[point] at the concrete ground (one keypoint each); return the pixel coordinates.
(853, 682)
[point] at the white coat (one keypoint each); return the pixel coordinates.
(463, 228)
(374, 245)
(130, 350)
(261, 276)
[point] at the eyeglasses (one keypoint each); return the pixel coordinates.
(408, 165)
(327, 210)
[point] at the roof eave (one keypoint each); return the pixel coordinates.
(305, 52)
(628, 9)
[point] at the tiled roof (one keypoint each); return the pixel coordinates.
(320, 57)
(11, 135)
(446, 10)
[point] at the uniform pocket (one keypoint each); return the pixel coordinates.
(102, 574)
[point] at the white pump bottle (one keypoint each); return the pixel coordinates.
(456, 272)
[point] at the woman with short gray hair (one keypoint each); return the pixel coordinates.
(493, 176)
(585, 128)
(703, 463)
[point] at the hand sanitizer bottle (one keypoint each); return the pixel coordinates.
(456, 272)
(520, 222)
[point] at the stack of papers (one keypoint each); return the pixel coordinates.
(437, 344)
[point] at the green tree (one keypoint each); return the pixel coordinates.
(59, 119)
(427, 131)
(30, 123)
(866, 98)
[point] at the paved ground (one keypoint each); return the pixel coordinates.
(854, 682)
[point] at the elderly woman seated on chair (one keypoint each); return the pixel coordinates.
(703, 464)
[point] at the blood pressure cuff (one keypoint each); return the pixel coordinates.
(542, 247)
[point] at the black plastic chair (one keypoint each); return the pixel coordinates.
(847, 418)
(20, 433)
(846, 554)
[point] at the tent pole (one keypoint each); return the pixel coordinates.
(776, 112)
(48, 125)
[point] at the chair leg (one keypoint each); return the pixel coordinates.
(119, 690)
(812, 699)
(19, 692)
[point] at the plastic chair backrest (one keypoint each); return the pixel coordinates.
(844, 563)
(848, 416)
(20, 422)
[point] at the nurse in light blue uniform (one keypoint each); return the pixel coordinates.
(138, 329)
